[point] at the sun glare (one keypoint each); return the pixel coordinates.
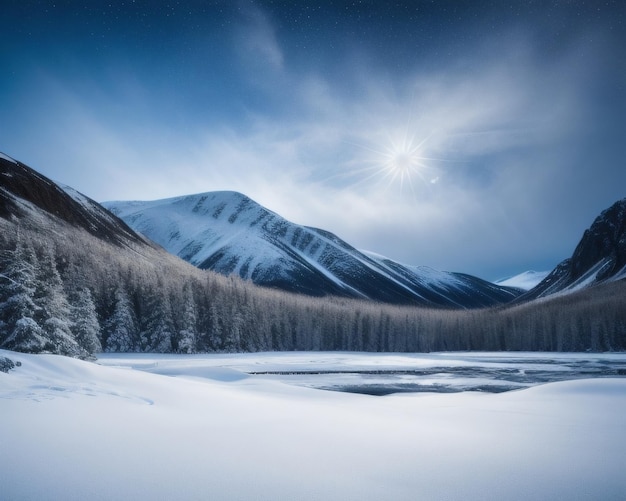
(401, 162)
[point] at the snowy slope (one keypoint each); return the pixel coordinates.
(229, 233)
(525, 281)
(77, 430)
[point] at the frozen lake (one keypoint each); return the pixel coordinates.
(383, 373)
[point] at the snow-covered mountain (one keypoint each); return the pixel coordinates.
(231, 234)
(524, 281)
(599, 257)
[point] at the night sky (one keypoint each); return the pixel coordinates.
(481, 137)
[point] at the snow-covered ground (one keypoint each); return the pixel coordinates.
(201, 427)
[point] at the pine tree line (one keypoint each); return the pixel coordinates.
(63, 291)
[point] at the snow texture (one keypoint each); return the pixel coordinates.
(524, 281)
(203, 429)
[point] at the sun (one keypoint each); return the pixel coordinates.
(400, 161)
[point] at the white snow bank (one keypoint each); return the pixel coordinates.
(79, 430)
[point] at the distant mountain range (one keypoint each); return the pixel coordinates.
(229, 233)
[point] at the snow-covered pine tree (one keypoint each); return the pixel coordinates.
(121, 326)
(53, 313)
(19, 330)
(85, 324)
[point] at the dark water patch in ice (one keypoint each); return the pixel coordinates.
(383, 389)
(489, 376)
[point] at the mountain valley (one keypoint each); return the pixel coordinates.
(76, 280)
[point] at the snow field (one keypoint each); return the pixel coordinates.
(78, 430)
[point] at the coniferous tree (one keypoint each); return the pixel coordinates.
(53, 313)
(121, 327)
(85, 324)
(19, 330)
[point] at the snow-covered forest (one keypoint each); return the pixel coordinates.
(64, 291)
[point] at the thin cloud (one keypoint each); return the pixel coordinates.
(256, 37)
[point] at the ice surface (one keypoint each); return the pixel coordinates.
(165, 427)
(384, 373)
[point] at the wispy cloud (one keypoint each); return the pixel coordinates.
(256, 38)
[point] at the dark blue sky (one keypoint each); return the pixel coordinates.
(481, 137)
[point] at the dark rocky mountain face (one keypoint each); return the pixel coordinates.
(231, 234)
(599, 257)
(19, 183)
(605, 241)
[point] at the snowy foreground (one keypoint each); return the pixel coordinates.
(201, 427)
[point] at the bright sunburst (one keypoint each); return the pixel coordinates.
(401, 162)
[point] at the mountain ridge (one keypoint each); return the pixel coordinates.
(20, 182)
(599, 257)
